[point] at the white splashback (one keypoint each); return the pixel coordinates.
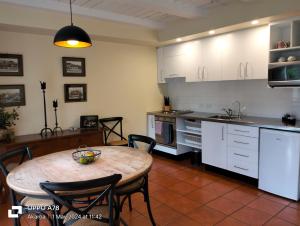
(258, 99)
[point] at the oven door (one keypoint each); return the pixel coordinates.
(165, 133)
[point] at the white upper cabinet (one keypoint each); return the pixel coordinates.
(210, 65)
(237, 55)
(160, 63)
(245, 54)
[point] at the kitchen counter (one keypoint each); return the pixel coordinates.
(262, 122)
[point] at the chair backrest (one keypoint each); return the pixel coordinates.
(113, 129)
(133, 138)
(17, 156)
(63, 193)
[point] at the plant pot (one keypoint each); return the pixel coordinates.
(3, 134)
(167, 108)
(7, 135)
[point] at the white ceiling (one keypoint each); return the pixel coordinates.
(148, 13)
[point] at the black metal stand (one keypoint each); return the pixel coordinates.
(45, 130)
(56, 128)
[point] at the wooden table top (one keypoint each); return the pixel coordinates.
(60, 167)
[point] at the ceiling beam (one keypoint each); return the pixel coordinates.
(100, 14)
(170, 7)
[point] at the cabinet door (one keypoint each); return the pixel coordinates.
(210, 70)
(256, 52)
(233, 56)
(160, 63)
(214, 144)
(151, 126)
(193, 61)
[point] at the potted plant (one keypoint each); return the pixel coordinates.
(7, 121)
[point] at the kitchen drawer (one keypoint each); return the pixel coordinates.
(248, 131)
(243, 142)
(249, 169)
(240, 154)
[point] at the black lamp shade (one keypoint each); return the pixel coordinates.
(72, 37)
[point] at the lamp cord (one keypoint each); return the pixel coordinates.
(71, 12)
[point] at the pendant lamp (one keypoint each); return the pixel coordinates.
(72, 36)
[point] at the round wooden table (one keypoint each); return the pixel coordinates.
(60, 167)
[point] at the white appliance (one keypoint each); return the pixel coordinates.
(279, 163)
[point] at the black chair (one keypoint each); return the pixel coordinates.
(8, 161)
(91, 212)
(112, 129)
(140, 184)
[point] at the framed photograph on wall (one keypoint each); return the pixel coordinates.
(73, 66)
(75, 92)
(12, 95)
(11, 65)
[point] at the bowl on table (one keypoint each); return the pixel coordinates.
(86, 155)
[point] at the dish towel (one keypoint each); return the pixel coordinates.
(158, 127)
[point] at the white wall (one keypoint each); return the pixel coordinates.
(121, 81)
(254, 95)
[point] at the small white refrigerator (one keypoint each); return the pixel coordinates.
(279, 163)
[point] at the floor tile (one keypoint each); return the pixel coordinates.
(164, 215)
(251, 216)
(219, 188)
(266, 205)
(165, 196)
(166, 181)
(202, 196)
(276, 199)
(278, 222)
(199, 180)
(183, 188)
(224, 205)
(206, 216)
(229, 221)
(295, 205)
(291, 215)
(183, 205)
(183, 221)
(138, 221)
(241, 196)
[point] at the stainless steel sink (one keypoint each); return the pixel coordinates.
(224, 117)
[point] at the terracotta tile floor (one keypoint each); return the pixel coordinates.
(182, 195)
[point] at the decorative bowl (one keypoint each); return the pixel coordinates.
(86, 155)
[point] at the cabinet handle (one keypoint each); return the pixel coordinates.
(198, 73)
(242, 131)
(203, 71)
(246, 156)
(240, 142)
(241, 69)
(240, 168)
(222, 132)
(246, 70)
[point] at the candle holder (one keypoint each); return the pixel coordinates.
(56, 128)
(45, 130)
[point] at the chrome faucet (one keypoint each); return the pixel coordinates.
(239, 112)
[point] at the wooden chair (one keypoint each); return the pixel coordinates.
(110, 130)
(140, 184)
(94, 212)
(8, 161)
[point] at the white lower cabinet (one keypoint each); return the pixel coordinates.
(214, 144)
(234, 152)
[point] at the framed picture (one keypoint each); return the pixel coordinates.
(73, 66)
(12, 95)
(89, 121)
(11, 65)
(75, 93)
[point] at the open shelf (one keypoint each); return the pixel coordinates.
(190, 145)
(285, 49)
(196, 132)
